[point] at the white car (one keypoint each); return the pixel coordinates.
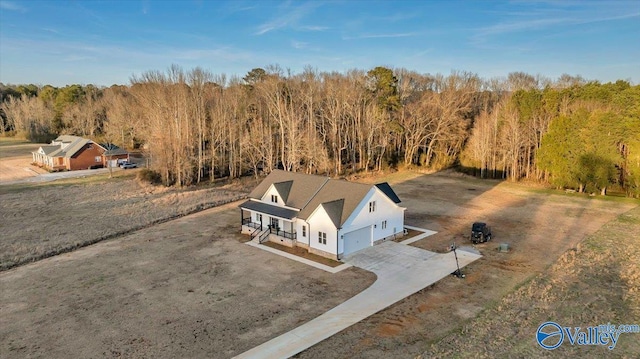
(125, 165)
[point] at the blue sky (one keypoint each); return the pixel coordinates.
(105, 42)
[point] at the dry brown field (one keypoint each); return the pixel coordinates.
(190, 288)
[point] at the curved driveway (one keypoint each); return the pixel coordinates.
(401, 269)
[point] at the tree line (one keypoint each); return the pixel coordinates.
(196, 126)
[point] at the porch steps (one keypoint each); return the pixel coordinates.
(259, 236)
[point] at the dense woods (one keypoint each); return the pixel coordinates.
(195, 126)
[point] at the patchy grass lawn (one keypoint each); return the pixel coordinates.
(42, 220)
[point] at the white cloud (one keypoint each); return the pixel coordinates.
(11, 6)
(289, 17)
(299, 44)
(380, 36)
(75, 58)
(540, 19)
(314, 28)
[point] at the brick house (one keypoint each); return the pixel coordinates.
(70, 153)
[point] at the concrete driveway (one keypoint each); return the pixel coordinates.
(401, 269)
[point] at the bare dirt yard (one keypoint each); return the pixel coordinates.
(15, 159)
(189, 288)
(182, 289)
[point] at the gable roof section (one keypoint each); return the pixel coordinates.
(350, 193)
(334, 210)
(75, 144)
(283, 188)
(74, 147)
(302, 189)
(49, 149)
(389, 192)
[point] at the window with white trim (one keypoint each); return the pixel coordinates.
(384, 224)
(304, 231)
(98, 159)
(258, 217)
(274, 198)
(372, 206)
(322, 237)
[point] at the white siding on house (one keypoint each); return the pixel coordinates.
(256, 219)
(319, 221)
(267, 197)
(385, 210)
(298, 226)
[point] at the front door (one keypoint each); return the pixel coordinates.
(274, 223)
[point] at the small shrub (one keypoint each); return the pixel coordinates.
(149, 176)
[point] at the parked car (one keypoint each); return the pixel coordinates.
(480, 232)
(125, 165)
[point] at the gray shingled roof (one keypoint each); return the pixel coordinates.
(49, 149)
(269, 209)
(334, 209)
(339, 198)
(389, 192)
(75, 144)
(112, 150)
(302, 189)
(284, 188)
(352, 193)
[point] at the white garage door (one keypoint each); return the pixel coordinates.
(357, 240)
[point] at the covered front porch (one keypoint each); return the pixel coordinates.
(269, 222)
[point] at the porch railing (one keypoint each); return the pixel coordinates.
(278, 232)
(263, 237)
(247, 222)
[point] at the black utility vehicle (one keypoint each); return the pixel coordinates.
(480, 232)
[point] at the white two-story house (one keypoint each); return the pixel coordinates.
(332, 218)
